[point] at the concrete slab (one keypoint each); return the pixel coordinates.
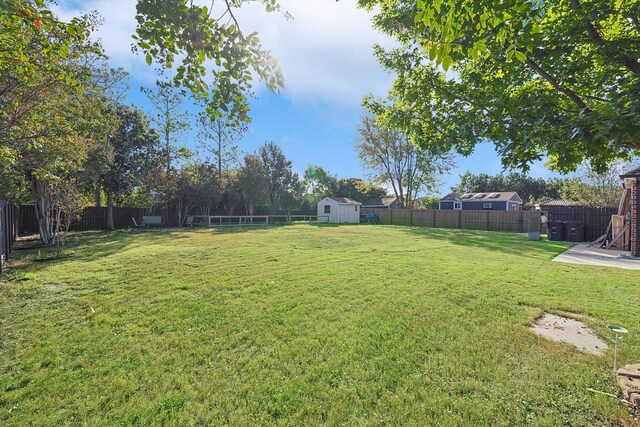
(583, 254)
(571, 331)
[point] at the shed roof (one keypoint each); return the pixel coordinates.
(560, 203)
(344, 201)
(496, 196)
(380, 201)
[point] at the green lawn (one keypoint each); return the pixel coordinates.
(307, 325)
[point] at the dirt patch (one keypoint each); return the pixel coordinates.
(571, 331)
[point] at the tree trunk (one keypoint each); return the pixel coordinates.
(109, 226)
(97, 194)
(45, 206)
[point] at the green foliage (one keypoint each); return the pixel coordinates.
(253, 183)
(283, 185)
(554, 78)
(358, 190)
(427, 203)
(135, 152)
(173, 31)
(318, 184)
(306, 325)
(596, 189)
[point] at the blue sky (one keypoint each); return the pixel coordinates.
(325, 53)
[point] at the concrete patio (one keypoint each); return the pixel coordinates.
(583, 254)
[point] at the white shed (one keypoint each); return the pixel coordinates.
(339, 210)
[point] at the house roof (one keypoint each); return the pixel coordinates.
(631, 174)
(495, 196)
(560, 203)
(380, 201)
(344, 201)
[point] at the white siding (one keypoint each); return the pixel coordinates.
(339, 213)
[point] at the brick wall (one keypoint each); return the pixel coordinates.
(634, 238)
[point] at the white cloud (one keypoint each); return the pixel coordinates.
(325, 52)
(118, 25)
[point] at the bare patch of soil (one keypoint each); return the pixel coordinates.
(571, 331)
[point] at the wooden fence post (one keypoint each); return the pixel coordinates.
(411, 218)
(459, 220)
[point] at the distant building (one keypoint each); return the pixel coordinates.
(555, 203)
(339, 210)
(382, 203)
(503, 201)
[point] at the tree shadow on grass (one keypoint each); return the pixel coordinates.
(91, 245)
(507, 243)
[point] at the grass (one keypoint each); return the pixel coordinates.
(307, 325)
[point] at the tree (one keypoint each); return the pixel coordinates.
(208, 189)
(554, 78)
(134, 146)
(217, 138)
(194, 35)
(70, 203)
(252, 182)
(170, 119)
(282, 182)
(596, 189)
(359, 190)
(318, 184)
(51, 107)
(394, 160)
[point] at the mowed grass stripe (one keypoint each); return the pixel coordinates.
(307, 325)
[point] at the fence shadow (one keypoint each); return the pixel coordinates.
(503, 242)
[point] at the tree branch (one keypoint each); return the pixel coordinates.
(557, 85)
(613, 54)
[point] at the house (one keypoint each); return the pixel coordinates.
(504, 201)
(632, 189)
(339, 210)
(382, 203)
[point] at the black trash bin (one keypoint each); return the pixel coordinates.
(574, 231)
(555, 230)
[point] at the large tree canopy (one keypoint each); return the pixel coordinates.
(215, 58)
(559, 78)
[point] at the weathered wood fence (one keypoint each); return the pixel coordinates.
(595, 220)
(511, 221)
(94, 218)
(8, 230)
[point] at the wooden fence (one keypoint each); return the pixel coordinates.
(94, 218)
(595, 220)
(8, 230)
(510, 221)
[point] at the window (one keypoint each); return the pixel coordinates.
(457, 206)
(479, 196)
(327, 209)
(494, 195)
(487, 206)
(466, 196)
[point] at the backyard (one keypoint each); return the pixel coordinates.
(307, 325)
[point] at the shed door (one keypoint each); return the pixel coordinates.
(343, 214)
